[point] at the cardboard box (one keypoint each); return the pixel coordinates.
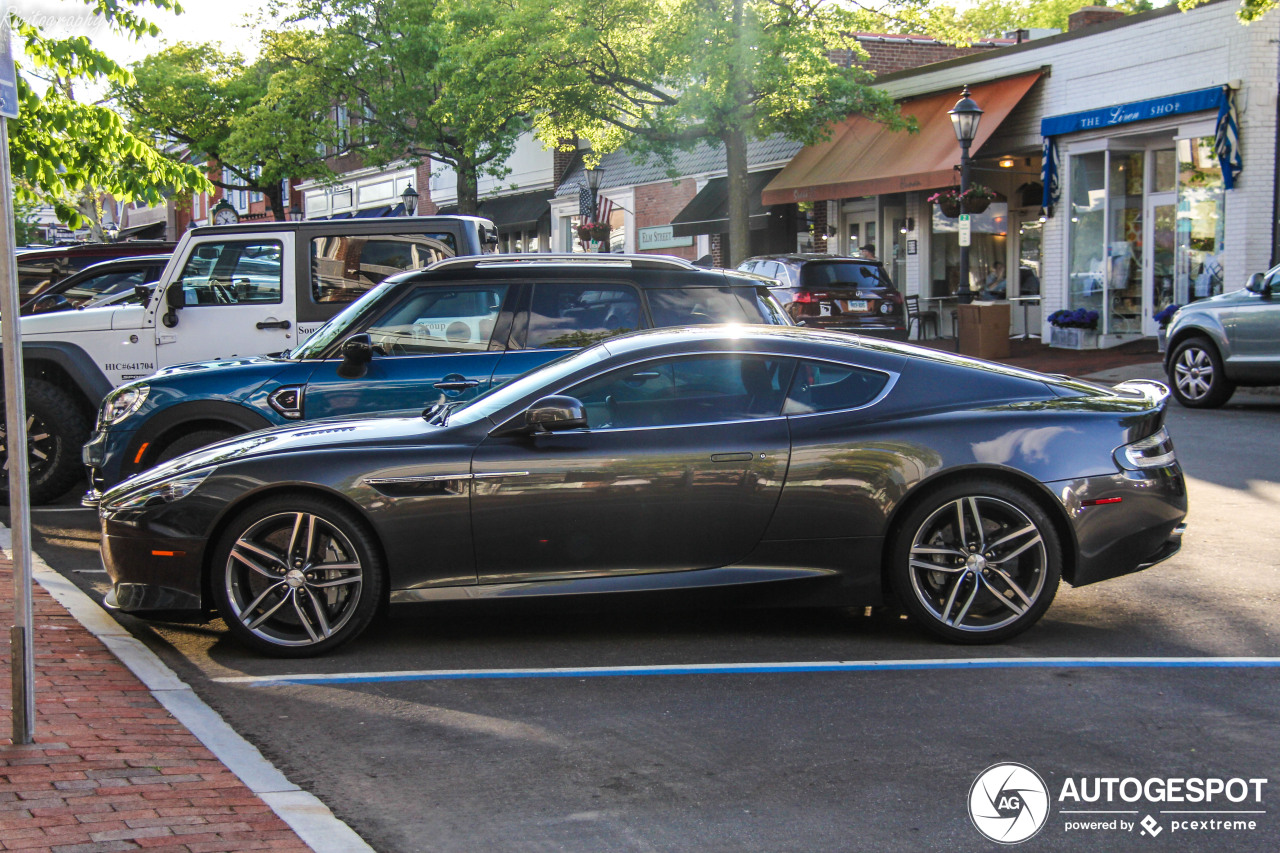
(984, 329)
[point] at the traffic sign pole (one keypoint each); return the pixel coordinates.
(22, 657)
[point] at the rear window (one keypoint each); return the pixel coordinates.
(696, 306)
(820, 386)
(344, 267)
(822, 274)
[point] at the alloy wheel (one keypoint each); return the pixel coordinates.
(42, 446)
(293, 579)
(1193, 372)
(978, 564)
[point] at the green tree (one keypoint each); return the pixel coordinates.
(416, 76)
(61, 147)
(665, 76)
(262, 123)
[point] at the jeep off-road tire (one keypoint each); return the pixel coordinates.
(56, 430)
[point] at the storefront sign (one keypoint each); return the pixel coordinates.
(661, 237)
(1187, 102)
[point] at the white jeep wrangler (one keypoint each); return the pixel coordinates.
(232, 290)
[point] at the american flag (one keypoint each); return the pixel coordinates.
(587, 210)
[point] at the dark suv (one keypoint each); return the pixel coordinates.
(834, 292)
(41, 268)
(443, 334)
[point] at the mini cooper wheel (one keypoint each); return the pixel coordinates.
(979, 562)
(1197, 377)
(297, 576)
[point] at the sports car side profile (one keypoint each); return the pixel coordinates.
(791, 466)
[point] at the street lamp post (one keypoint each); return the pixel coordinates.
(964, 118)
(410, 199)
(594, 176)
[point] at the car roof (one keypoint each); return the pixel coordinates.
(814, 257)
(129, 248)
(647, 271)
(354, 226)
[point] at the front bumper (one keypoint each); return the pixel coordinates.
(104, 455)
(152, 573)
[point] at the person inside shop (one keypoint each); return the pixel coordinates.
(868, 252)
(994, 287)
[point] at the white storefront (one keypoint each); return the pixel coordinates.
(1142, 219)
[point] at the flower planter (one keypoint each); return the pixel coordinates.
(1068, 338)
(979, 206)
(950, 209)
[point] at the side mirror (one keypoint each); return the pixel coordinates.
(1258, 284)
(142, 293)
(175, 297)
(554, 414)
(357, 351)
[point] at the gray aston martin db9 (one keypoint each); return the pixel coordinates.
(789, 466)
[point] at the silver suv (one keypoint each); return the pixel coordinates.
(1229, 340)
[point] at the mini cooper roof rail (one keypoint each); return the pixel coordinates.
(587, 258)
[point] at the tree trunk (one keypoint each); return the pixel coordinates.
(468, 187)
(275, 197)
(735, 149)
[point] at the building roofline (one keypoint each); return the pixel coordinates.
(1035, 44)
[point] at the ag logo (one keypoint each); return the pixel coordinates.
(1008, 803)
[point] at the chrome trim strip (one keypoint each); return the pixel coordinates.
(500, 474)
(424, 478)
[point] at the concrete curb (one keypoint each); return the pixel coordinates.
(306, 815)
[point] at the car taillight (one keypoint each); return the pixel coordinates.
(809, 296)
(1154, 451)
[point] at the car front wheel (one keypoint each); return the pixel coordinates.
(297, 575)
(979, 562)
(1197, 377)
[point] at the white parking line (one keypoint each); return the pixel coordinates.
(753, 668)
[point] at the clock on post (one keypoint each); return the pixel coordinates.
(224, 214)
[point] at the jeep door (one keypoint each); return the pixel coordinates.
(436, 343)
(236, 296)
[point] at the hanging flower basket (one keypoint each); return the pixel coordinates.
(952, 202)
(594, 231)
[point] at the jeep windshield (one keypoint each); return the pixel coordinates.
(324, 337)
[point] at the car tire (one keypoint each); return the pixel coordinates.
(192, 441)
(56, 430)
(297, 575)
(1196, 376)
(977, 562)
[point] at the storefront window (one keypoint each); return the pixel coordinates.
(1124, 244)
(1200, 221)
(1085, 275)
(989, 231)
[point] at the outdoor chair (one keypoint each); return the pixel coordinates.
(921, 319)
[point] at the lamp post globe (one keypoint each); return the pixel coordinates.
(410, 199)
(964, 119)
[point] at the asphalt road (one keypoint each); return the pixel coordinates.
(801, 757)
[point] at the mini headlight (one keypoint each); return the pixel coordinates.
(164, 492)
(1154, 451)
(122, 402)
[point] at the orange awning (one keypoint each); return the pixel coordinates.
(863, 157)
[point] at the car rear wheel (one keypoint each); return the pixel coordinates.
(1197, 377)
(978, 562)
(297, 575)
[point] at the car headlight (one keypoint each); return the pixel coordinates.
(1154, 451)
(164, 492)
(121, 403)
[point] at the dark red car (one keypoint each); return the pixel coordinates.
(41, 268)
(834, 292)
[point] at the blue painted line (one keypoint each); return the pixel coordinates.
(757, 669)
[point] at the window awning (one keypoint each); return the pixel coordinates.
(372, 212)
(512, 212)
(708, 211)
(863, 157)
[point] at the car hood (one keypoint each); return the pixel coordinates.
(1233, 297)
(63, 322)
(388, 429)
(253, 363)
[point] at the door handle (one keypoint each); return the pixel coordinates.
(732, 457)
(274, 324)
(459, 385)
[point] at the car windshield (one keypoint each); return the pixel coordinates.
(323, 338)
(496, 399)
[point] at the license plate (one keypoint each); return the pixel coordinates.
(853, 304)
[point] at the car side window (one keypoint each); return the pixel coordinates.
(234, 272)
(578, 315)
(1273, 282)
(344, 267)
(92, 288)
(434, 319)
(693, 306)
(822, 386)
(699, 389)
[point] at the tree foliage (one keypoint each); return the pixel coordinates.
(262, 122)
(411, 73)
(660, 76)
(62, 148)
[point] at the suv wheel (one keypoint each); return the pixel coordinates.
(1196, 375)
(55, 433)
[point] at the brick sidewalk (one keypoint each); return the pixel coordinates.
(111, 769)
